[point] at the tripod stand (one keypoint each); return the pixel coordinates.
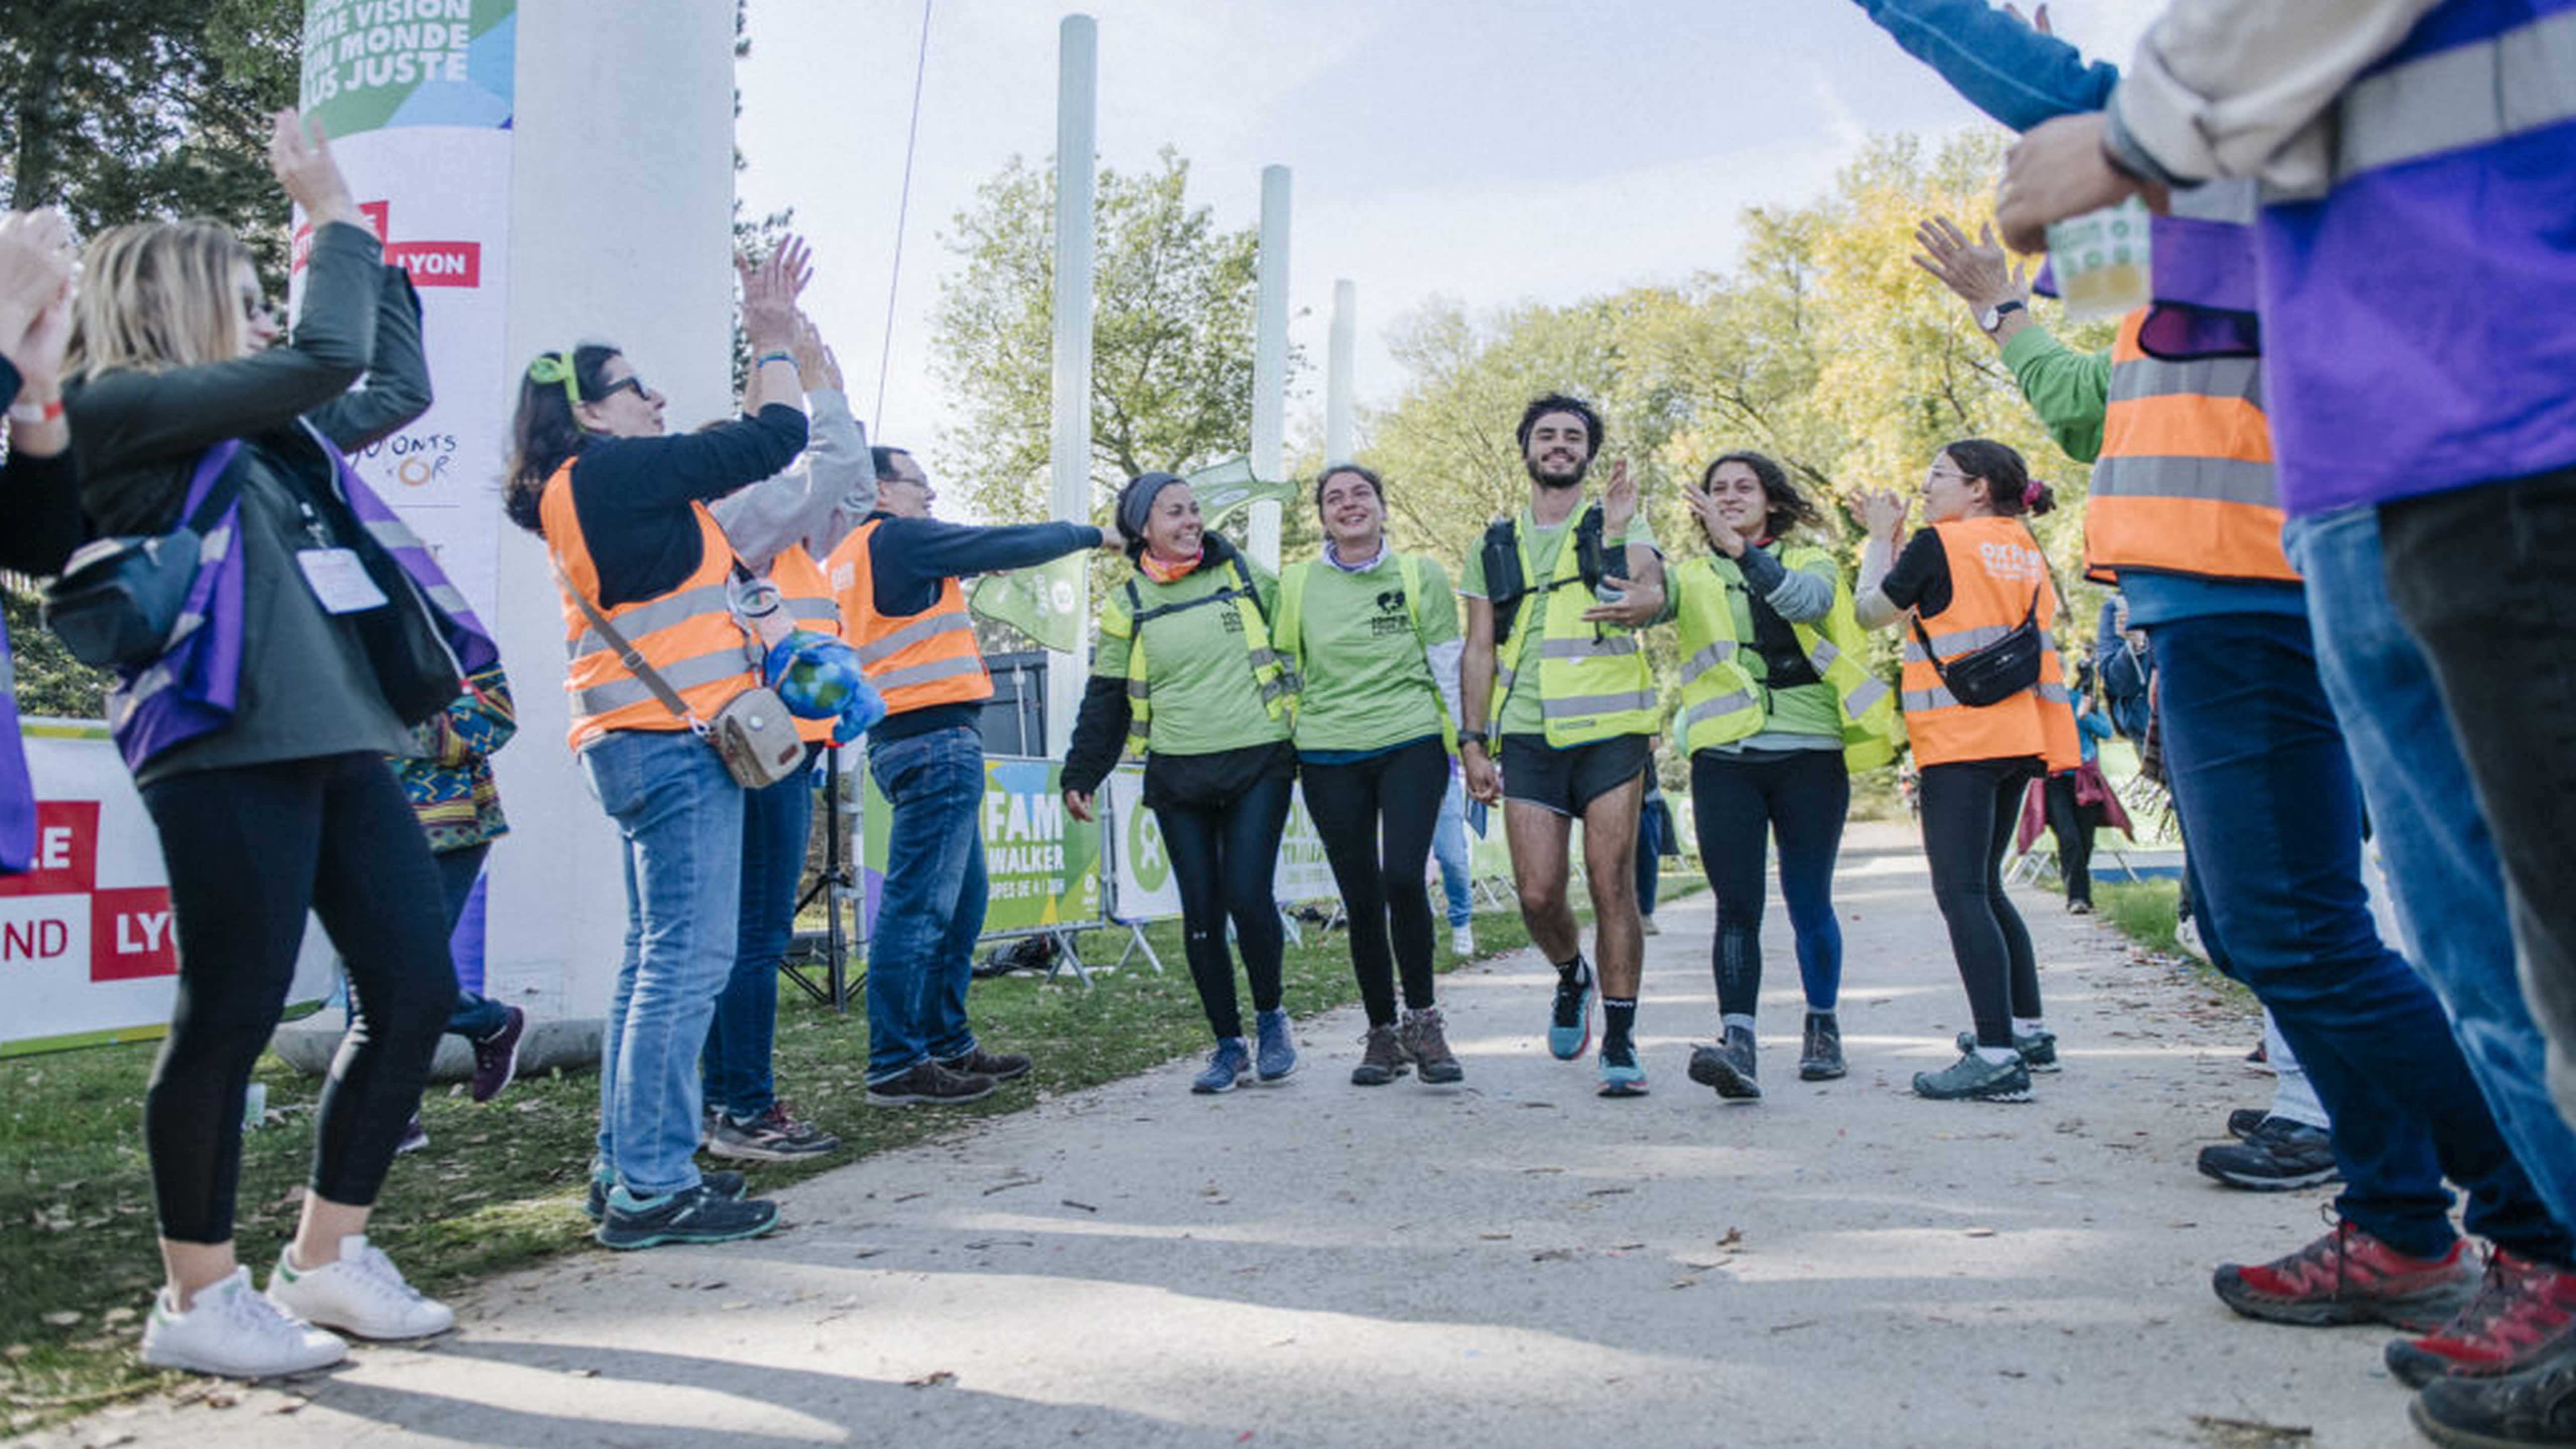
(833, 885)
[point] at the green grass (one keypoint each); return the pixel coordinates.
(499, 1185)
(2144, 911)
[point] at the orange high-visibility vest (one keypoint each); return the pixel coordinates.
(914, 660)
(1996, 568)
(807, 597)
(2184, 482)
(688, 635)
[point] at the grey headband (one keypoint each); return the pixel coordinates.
(1136, 501)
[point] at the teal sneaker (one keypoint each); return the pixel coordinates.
(1974, 1079)
(700, 1214)
(1569, 1021)
(1226, 1066)
(2038, 1049)
(1274, 1051)
(595, 1202)
(1620, 1074)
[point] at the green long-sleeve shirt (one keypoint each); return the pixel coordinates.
(2068, 389)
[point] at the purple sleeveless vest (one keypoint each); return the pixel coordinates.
(2417, 316)
(194, 688)
(17, 791)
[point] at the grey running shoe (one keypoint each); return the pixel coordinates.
(1974, 1079)
(1820, 1052)
(1728, 1066)
(2038, 1049)
(1000, 1066)
(700, 1214)
(776, 1135)
(1381, 1058)
(928, 1083)
(1425, 1038)
(2276, 1156)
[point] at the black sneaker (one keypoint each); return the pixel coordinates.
(2536, 1405)
(776, 1135)
(1820, 1053)
(1000, 1066)
(2242, 1121)
(594, 1203)
(1729, 1066)
(2277, 1156)
(929, 1083)
(700, 1214)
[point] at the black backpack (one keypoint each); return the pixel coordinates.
(1505, 586)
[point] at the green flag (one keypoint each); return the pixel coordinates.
(1039, 602)
(1222, 488)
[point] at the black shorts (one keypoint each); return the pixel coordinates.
(1568, 779)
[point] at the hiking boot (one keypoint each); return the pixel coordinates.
(1274, 1049)
(594, 1204)
(2521, 1311)
(928, 1083)
(1620, 1074)
(1820, 1051)
(1569, 1018)
(2276, 1156)
(1728, 1066)
(496, 1057)
(2038, 1049)
(362, 1294)
(700, 1214)
(1381, 1058)
(2348, 1276)
(233, 1331)
(2536, 1405)
(1425, 1038)
(2242, 1121)
(1462, 940)
(776, 1135)
(1974, 1079)
(1000, 1066)
(1229, 1064)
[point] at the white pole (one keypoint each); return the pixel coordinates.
(1338, 382)
(1069, 496)
(1270, 363)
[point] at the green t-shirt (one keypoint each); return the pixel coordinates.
(1801, 717)
(1203, 695)
(1368, 684)
(1541, 545)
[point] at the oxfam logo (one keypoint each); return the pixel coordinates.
(1146, 859)
(1061, 595)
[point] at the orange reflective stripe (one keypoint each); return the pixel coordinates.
(914, 660)
(1995, 566)
(700, 652)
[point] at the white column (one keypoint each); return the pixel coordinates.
(1069, 493)
(621, 231)
(1270, 363)
(1338, 382)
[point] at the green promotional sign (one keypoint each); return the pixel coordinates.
(1041, 866)
(1039, 602)
(370, 64)
(1222, 488)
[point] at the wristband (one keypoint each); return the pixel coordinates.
(36, 414)
(1472, 737)
(766, 358)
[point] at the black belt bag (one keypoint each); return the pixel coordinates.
(117, 602)
(1992, 673)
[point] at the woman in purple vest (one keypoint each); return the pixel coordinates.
(258, 740)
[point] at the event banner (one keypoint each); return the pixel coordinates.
(1141, 884)
(88, 947)
(1041, 866)
(416, 97)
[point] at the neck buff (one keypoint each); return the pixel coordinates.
(1172, 571)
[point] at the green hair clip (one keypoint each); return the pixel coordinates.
(557, 367)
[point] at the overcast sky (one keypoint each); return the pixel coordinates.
(1490, 151)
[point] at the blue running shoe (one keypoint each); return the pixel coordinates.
(1274, 1051)
(1569, 1022)
(1620, 1074)
(1226, 1066)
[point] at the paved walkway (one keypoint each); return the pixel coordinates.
(1512, 1262)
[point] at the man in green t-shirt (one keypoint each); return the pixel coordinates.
(1576, 717)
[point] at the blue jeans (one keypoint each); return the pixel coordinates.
(1449, 843)
(1996, 63)
(921, 956)
(2272, 820)
(679, 816)
(2441, 860)
(735, 1068)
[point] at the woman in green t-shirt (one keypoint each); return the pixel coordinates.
(1374, 637)
(1184, 673)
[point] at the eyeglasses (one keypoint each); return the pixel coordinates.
(254, 307)
(623, 383)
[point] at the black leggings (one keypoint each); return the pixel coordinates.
(2072, 824)
(248, 849)
(1223, 857)
(1401, 790)
(1970, 808)
(1738, 806)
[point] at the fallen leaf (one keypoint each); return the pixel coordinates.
(64, 1318)
(936, 1379)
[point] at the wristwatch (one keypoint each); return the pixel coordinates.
(1993, 317)
(1472, 737)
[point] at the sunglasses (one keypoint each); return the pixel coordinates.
(623, 383)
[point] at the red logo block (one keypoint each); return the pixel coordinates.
(439, 263)
(132, 934)
(66, 859)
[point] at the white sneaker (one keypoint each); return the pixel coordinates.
(2187, 936)
(1462, 940)
(235, 1332)
(363, 1295)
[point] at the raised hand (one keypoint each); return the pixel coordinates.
(810, 354)
(1977, 270)
(2036, 19)
(35, 294)
(1721, 534)
(769, 296)
(1618, 504)
(303, 164)
(1882, 512)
